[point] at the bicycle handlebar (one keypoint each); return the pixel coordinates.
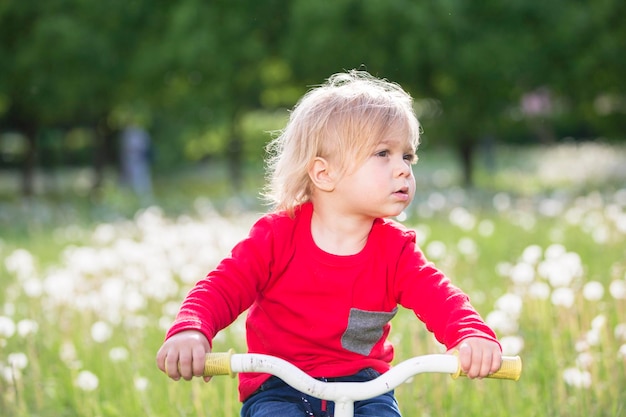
(344, 394)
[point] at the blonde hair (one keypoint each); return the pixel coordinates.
(342, 119)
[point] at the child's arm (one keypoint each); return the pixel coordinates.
(479, 357)
(182, 355)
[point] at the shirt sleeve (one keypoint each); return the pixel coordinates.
(444, 308)
(231, 288)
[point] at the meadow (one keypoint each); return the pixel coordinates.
(88, 289)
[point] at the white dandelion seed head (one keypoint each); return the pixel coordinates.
(27, 327)
(511, 345)
(598, 322)
(118, 354)
(141, 383)
(21, 263)
(504, 269)
(501, 322)
(617, 289)
(511, 304)
(585, 360)
(486, 228)
(621, 352)
(462, 218)
(522, 273)
(563, 297)
(577, 378)
(67, 353)
(33, 287)
(554, 251)
(101, 331)
(17, 360)
(532, 254)
(86, 381)
(593, 337)
(593, 291)
(620, 331)
(502, 202)
(467, 246)
(539, 291)
(436, 250)
(7, 327)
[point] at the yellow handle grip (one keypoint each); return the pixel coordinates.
(511, 369)
(218, 364)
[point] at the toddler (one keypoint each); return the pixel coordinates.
(322, 274)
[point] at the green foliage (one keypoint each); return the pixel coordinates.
(193, 70)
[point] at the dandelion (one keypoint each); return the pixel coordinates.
(522, 273)
(593, 337)
(467, 247)
(6, 373)
(532, 254)
(436, 249)
(486, 228)
(617, 289)
(101, 331)
(17, 360)
(585, 360)
(539, 291)
(622, 351)
(598, 322)
(511, 345)
(32, 287)
(86, 381)
(104, 234)
(593, 291)
(436, 201)
(501, 322)
(462, 218)
(620, 331)
(504, 269)
(555, 251)
(27, 327)
(563, 297)
(7, 327)
(577, 378)
(118, 354)
(511, 304)
(502, 202)
(21, 263)
(68, 355)
(141, 383)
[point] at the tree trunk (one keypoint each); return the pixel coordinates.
(466, 150)
(29, 163)
(101, 156)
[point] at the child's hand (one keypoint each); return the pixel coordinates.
(478, 357)
(182, 355)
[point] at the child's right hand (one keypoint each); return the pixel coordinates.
(182, 355)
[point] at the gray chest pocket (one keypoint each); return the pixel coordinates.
(365, 328)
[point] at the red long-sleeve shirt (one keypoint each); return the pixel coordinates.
(327, 314)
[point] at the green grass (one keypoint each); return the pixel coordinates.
(105, 278)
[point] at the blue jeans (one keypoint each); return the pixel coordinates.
(277, 399)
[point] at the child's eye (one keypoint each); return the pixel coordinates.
(410, 157)
(382, 153)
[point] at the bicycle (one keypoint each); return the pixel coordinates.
(344, 394)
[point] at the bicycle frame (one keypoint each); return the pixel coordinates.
(344, 394)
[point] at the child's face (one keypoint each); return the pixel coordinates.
(383, 185)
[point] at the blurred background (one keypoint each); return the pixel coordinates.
(132, 137)
(207, 80)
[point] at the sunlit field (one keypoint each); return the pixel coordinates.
(88, 291)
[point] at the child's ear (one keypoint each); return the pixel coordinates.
(320, 175)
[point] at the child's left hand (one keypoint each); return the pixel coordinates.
(478, 357)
